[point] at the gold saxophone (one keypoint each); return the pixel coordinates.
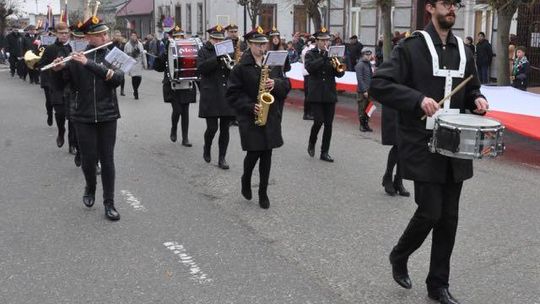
(264, 99)
(237, 52)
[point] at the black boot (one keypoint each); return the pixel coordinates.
(366, 125)
(60, 139)
(400, 274)
(77, 159)
(110, 211)
(173, 134)
(122, 93)
(443, 296)
(186, 143)
(388, 185)
(311, 149)
(89, 196)
(206, 154)
(49, 119)
(136, 95)
(264, 201)
(399, 188)
(246, 188)
(222, 163)
(326, 157)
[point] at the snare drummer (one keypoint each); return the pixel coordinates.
(410, 82)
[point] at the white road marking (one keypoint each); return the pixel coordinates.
(195, 271)
(133, 201)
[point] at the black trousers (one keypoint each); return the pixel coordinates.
(136, 82)
(438, 208)
(48, 102)
(34, 76)
(211, 130)
(307, 105)
(96, 141)
(265, 162)
(180, 110)
(13, 62)
(323, 114)
(60, 118)
(72, 135)
(393, 161)
(22, 70)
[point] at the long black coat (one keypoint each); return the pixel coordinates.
(389, 123)
(242, 92)
(484, 53)
(402, 82)
(15, 44)
(321, 80)
(214, 77)
(170, 95)
(53, 51)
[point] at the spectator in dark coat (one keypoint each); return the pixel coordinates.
(484, 55)
(364, 73)
(520, 70)
(469, 43)
(354, 52)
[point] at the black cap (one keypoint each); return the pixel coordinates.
(76, 30)
(216, 32)
(256, 36)
(176, 31)
(353, 37)
(94, 25)
(231, 26)
(322, 34)
(273, 32)
(366, 51)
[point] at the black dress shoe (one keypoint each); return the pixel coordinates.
(122, 93)
(399, 188)
(111, 213)
(49, 119)
(311, 150)
(77, 159)
(222, 163)
(401, 275)
(60, 141)
(206, 154)
(443, 296)
(173, 135)
(89, 197)
(326, 157)
(246, 188)
(136, 95)
(186, 143)
(264, 201)
(388, 185)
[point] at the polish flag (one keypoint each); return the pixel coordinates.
(370, 109)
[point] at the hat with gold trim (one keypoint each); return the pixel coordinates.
(94, 25)
(322, 34)
(256, 36)
(231, 26)
(176, 31)
(76, 30)
(273, 32)
(216, 32)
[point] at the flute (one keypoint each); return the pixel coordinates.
(53, 64)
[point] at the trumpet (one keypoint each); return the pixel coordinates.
(228, 61)
(340, 67)
(53, 64)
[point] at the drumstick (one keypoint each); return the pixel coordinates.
(454, 91)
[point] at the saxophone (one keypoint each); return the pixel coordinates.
(237, 52)
(264, 99)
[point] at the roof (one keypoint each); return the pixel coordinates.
(136, 7)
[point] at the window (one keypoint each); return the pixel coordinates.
(300, 19)
(178, 15)
(199, 18)
(167, 11)
(188, 18)
(267, 17)
(355, 21)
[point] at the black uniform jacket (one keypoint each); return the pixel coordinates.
(170, 95)
(213, 87)
(242, 92)
(15, 45)
(95, 99)
(321, 79)
(53, 51)
(402, 83)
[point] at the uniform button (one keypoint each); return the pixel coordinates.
(324, 79)
(224, 85)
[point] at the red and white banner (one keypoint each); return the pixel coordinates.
(519, 111)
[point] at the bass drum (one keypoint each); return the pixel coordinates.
(182, 59)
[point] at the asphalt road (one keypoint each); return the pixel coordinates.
(187, 236)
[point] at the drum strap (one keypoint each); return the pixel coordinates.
(446, 73)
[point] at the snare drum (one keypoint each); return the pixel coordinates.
(183, 59)
(467, 136)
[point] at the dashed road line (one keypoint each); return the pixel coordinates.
(133, 201)
(195, 271)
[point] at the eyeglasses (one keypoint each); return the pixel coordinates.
(449, 3)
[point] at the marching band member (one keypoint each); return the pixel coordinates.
(213, 86)
(58, 98)
(276, 45)
(232, 34)
(95, 112)
(242, 94)
(179, 99)
(322, 94)
(410, 82)
(31, 43)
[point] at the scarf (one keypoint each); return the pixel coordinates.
(518, 63)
